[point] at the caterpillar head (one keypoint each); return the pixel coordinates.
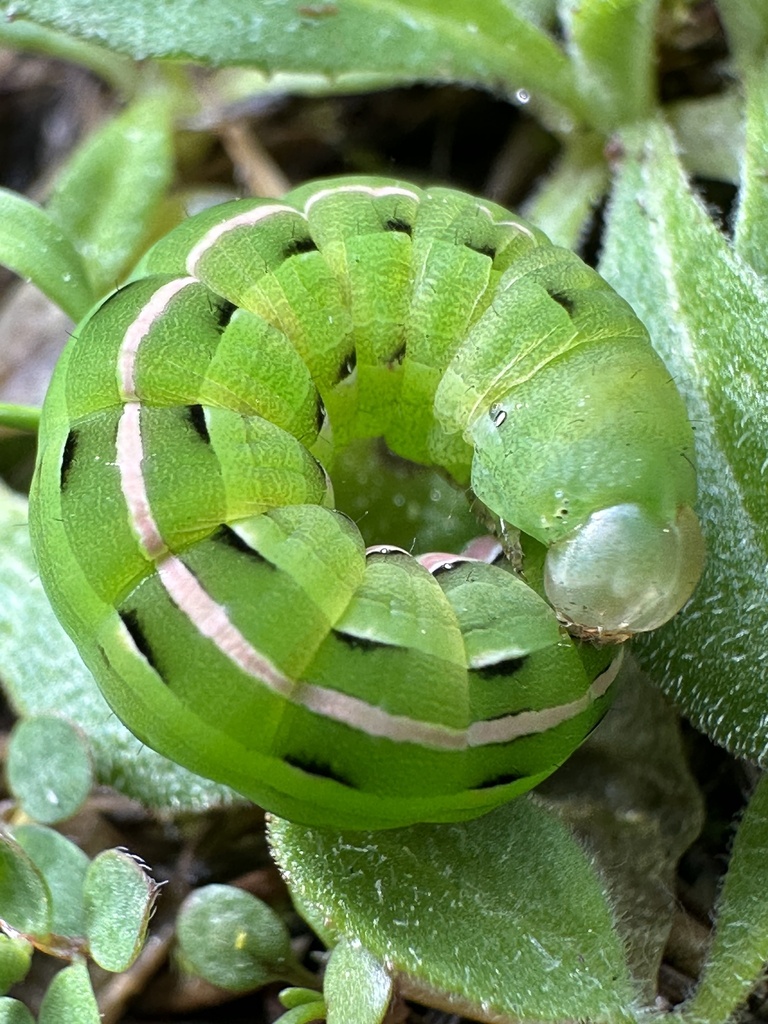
(599, 468)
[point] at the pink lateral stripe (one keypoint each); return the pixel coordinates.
(129, 455)
(434, 561)
(138, 330)
(246, 219)
(485, 549)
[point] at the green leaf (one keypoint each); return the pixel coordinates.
(638, 827)
(25, 902)
(563, 203)
(119, 896)
(234, 940)
(63, 866)
(482, 914)
(739, 950)
(44, 674)
(707, 312)
(751, 229)
(14, 1012)
(105, 198)
(357, 987)
(70, 998)
(612, 50)
(487, 43)
(710, 134)
(34, 246)
(119, 72)
(48, 768)
(291, 997)
(15, 958)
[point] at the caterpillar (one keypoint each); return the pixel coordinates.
(184, 523)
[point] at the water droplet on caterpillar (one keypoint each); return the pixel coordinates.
(624, 571)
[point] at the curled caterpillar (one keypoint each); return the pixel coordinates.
(185, 531)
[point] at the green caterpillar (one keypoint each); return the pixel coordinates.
(185, 531)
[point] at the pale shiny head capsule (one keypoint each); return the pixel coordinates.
(624, 572)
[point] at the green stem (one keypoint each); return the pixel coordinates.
(20, 417)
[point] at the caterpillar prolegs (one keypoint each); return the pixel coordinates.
(185, 531)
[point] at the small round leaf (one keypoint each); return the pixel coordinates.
(63, 866)
(49, 768)
(290, 997)
(307, 1013)
(119, 896)
(233, 940)
(70, 998)
(25, 901)
(14, 1012)
(15, 957)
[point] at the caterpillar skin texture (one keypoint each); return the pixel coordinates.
(185, 530)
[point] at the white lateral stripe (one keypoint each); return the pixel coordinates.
(246, 219)
(138, 330)
(506, 223)
(210, 619)
(374, 721)
(527, 723)
(252, 217)
(260, 213)
(367, 190)
(129, 454)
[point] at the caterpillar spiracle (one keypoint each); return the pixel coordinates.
(185, 532)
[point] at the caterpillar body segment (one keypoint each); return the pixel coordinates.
(185, 530)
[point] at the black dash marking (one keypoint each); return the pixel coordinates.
(563, 300)
(397, 357)
(196, 416)
(359, 643)
(321, 771)
(319, 414)
(104, 657)
(500, 669)
(499, 780)
(67, 456)
(297, 246)
(228, 537)
(130, 620)
(396, 224)
(484, 250)
(348, 365)
(498, 415)
(223, 312)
